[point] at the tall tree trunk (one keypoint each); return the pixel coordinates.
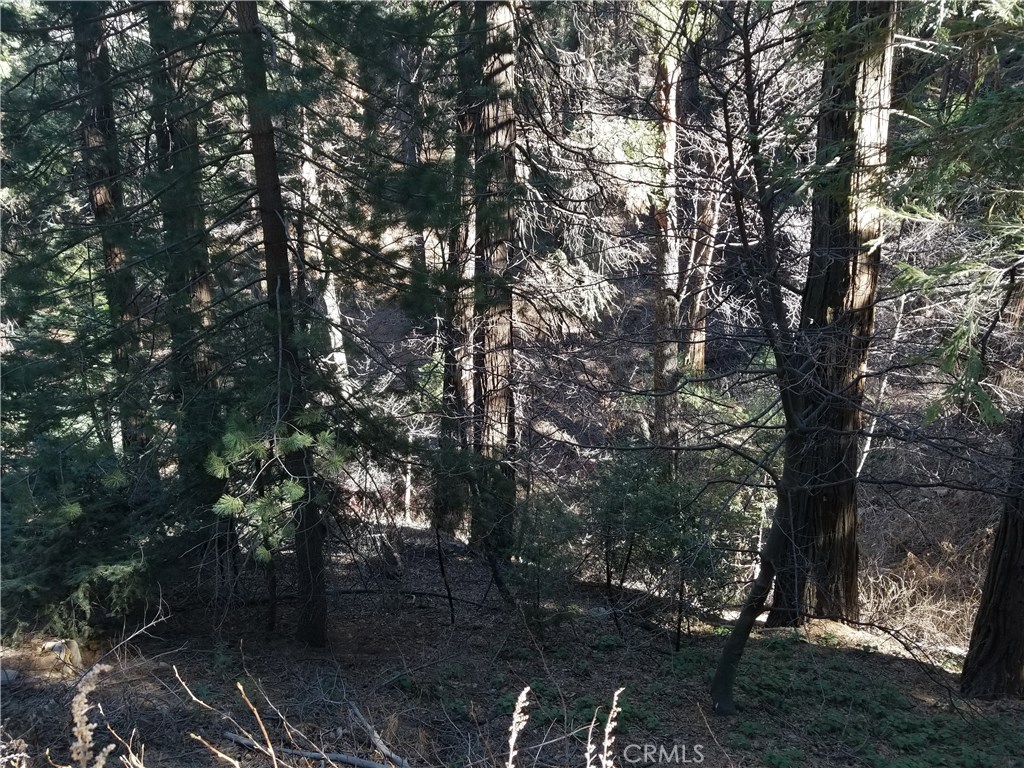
(703, 58)
(464, 236)
(458, 438)
(190, 297)
(309, 533)
(819, 569)
(702, 230)
(496, 223)
(812, 544)
(102, 162)
(700, 245)
(994, 667)
(666, 218)
(312, 242)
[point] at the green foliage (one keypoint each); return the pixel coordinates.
(960, 161)
(845, 708)
(72, 550)
(652, 527)
(981, 287)
(548, 538)
(261, 498)
(227, 506)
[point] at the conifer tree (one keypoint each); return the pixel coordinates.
(811, 549)
(185, 253)
(102, 163)
(823, 374)
(497, 254)
(670, 39)
(458, 425)
(297, 461)
(994, 667)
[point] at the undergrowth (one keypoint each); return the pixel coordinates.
(849, 714)
(802, 705)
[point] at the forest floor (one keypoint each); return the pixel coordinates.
(442, 694)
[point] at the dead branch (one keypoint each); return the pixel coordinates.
(378, 742)
(336, 757)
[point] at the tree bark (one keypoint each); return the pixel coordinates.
(696, 258)
(772, 554)
(728, 665)
(458, 425)
(313, 243)
(819, 568)
(700, 257)
(666, 249)
(811, 547)
(994, 667)
(102, 162)
(186, 255)
(309, 533)
(496, 225)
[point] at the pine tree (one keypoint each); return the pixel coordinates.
(666, 220)
(823, 375)
(496, 264)
(458, 424)
(812, 543)
(189, 309)
(297, 461)
(102, 162)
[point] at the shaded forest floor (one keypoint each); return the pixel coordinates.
(442, 695)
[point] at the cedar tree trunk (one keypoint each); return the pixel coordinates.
(994, 667)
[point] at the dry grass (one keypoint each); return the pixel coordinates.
(923, 564)
(86, 753)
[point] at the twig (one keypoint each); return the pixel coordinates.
(378, 742)
(444, 574)
(259, 721)
(882, 387)
(217, 752)
(409, 670)
(712, 733)
(336, 757)
(411, 593)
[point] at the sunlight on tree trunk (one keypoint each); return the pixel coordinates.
(819, 569)
(458, 424)
(812, 548)
(496, 256)
(703, 58)
(666, 248)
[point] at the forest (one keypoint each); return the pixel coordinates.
(515, 382)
